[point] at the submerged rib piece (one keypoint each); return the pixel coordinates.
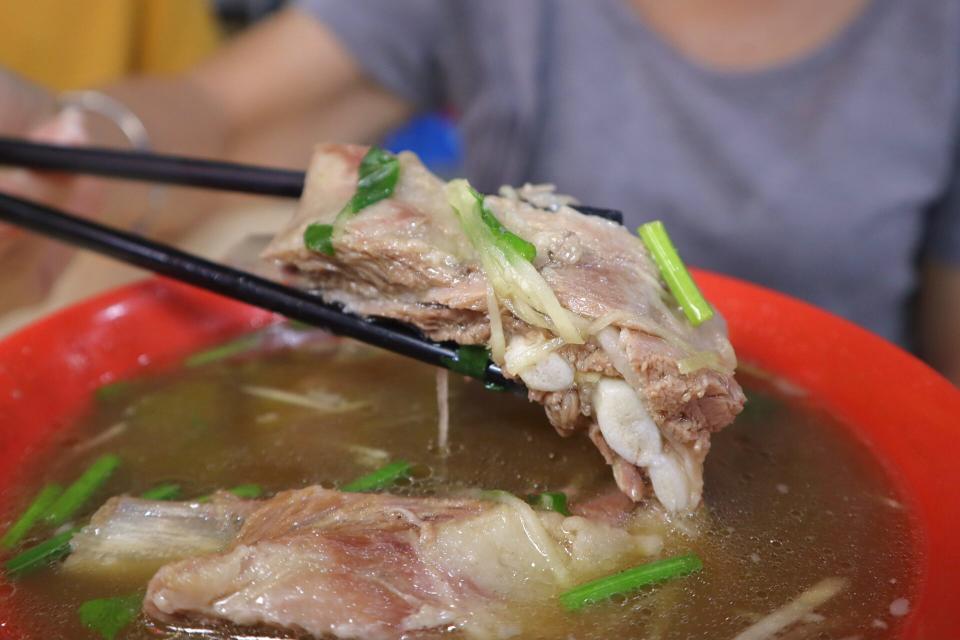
(353, 565)
(132, 535)
(407, 257)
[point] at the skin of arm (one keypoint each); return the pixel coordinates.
(266, 98)
(288, 67)
(269, 94)
(939, 318)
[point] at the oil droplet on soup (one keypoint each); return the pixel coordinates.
(791, 498)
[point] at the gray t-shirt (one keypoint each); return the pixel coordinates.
(828, 178)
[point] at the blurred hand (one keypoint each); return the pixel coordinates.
(24, 104)
(29, 111)
(74, 193)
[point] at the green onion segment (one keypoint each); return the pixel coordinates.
(112, 391)
(550, 501)
(505, 259)
(37, 509)
(379, 479)
(249, 490)
(76, 495)
(40, 555)
(224, 351)
(630, 580)
(108, 616)
(319, 238)
(167, 491)
(505, 238)
(378, 175)
(377, 179)
(471, 360)
(675, 273)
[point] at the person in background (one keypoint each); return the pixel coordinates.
(808, 145)
(71, 46)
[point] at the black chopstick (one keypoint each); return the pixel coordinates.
(179, 170)
(233, 283)
(152, 167)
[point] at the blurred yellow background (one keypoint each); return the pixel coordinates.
(72, 45)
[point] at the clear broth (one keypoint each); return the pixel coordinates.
(791, 497)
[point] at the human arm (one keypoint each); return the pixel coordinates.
(290, 66)
(289, 69)
(284, 84)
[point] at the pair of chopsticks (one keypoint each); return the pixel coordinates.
(194, 270)
(178, 170)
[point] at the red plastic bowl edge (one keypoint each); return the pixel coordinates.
(907, 414)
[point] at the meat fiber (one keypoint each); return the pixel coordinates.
(351, 565)
(407, 257)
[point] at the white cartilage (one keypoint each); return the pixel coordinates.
(628, 428)
(548, 372)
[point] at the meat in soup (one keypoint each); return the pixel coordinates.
(795, 512)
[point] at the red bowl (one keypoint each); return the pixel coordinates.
(907, 414)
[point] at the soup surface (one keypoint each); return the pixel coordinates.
(791, 498)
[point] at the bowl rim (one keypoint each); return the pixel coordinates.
(900, 408)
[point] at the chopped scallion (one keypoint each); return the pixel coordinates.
(675, 273)
(112, 391)
(249, 490)
(108, 616)
(31, 515)
(550, 501)
(630, 580)
(224, 351)
(167, 491)
(377, 179)
(77, 494)
(40, 555)
(319, 238)
(471, 360)
(515, 281)
(505, 237)
(379, 479)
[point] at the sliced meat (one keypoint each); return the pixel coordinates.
(611, 506)
(407, 257)
(135, 536)
(351, 565)
(629, 478)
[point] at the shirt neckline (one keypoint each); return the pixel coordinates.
(631, 20)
